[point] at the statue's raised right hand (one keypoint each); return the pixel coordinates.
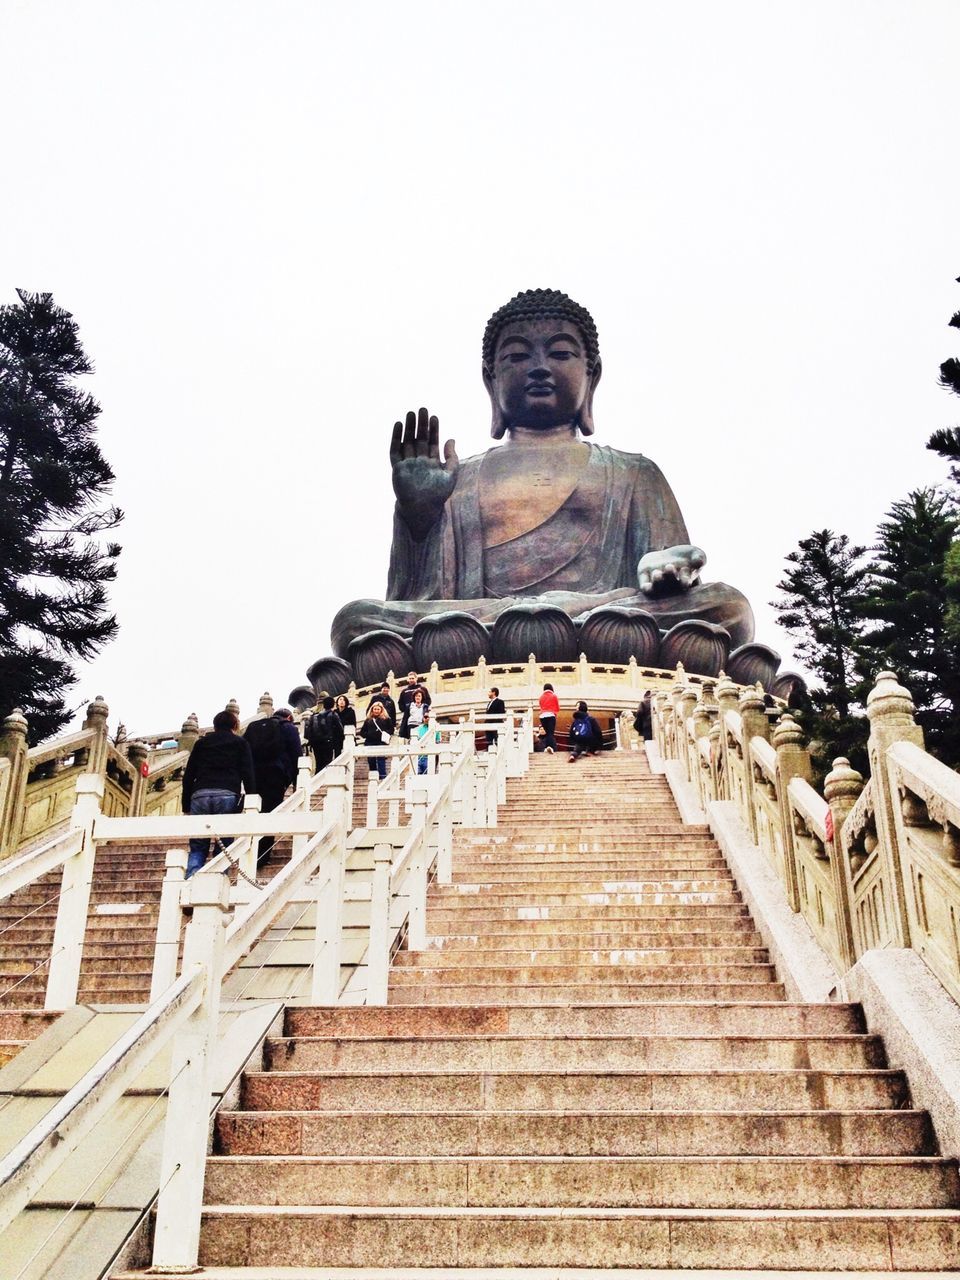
(421, 481)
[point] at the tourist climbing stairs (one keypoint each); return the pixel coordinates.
(592, 1064)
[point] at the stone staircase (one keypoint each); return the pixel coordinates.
(592, 1065)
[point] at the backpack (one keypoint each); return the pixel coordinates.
(320, 729)
(266, 740)
(580, 728)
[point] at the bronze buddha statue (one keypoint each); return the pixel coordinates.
(547, 525)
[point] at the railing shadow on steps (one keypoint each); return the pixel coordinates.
(462, 787)
(867, 865)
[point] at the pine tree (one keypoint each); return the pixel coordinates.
(907, 602)
(820, 610)
(946, 441)
(54, 570)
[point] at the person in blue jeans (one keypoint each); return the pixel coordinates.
(219, 768)
(424, 732)
(375, 732)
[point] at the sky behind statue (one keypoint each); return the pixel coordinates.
(282, 225)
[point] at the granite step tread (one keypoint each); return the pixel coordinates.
(703, 1133)
(844, 1239)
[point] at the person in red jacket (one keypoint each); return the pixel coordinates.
(549, 710)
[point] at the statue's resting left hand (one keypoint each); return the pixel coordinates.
(421, 481)
(668, 572)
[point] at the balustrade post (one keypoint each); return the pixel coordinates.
(754, 724)
(96, 721)
(433, 680)
(166, 951)
(249, 845)
(793, 761)
(328, 931)
(265, 709)
(417, 927)
(13, 745)
(138, 754)
(583, 671)
(189, 732)
(304, 779)
(350, 753)
(176, 1240)
(633, 673)
(841, 789)
(373, 811)
(482, 679)
(378, 946)
(445, 818)
(481, 764)
(890, 711)
(685, 705)
(491, 790)
(728, 699)
(66, 951)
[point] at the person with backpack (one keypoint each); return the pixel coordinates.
(220, 766)
(324, 734)
(275, 747)
(585, 735)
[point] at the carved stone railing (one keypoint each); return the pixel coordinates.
(875, 865)
(38, 785)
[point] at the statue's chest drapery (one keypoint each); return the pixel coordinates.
(556, 545)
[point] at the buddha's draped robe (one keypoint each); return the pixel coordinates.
(583, 555)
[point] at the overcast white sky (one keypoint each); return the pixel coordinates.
(281, 224)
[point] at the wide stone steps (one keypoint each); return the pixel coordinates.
(579, 1053)
(576, 1133)
(591, 1065)
(441, 1237)
(569, 1090)
(635, 1182)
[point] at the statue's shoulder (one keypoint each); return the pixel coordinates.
(622, 459)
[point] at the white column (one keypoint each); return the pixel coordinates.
(247, 858)
(378, 947)
(417, 930)
(166, 952)
(445, 819)
(66, 952)
(325, 988)
(176, 1241)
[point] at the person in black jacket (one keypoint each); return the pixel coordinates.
(275, 747)
(344, 710)
(324, 733)
(495, 707)
(388, 705)
(585, 734)
(220, 765)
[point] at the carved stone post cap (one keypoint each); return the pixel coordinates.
(97, 709)
(15, 722)
(842, 780)
(787, 732)
(191, 724)
(137, 752)
(751, 699)
(266, 704)
(234, 706)
(888, 697)
(726, 689)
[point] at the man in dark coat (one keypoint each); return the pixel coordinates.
(219, 769)
(275, 746)
(495, 707)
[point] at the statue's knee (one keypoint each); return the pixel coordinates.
(353, 620)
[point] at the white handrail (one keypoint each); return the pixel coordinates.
(20, 872)
(43, 1150)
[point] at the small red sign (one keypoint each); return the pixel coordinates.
(828, 825)
(144, 770)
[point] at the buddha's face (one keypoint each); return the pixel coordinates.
(540, 377)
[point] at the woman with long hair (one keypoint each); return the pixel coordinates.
(345, 711)
(375, 732)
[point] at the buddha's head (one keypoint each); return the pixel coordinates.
(541, 363)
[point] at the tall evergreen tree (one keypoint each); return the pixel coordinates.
(906, 603)
(946, 441)
(54, 569)
(819, 608)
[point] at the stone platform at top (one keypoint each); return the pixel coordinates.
(547, 544)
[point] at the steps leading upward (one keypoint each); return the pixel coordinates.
(592, 1064)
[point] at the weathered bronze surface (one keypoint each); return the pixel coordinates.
(547, 517)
